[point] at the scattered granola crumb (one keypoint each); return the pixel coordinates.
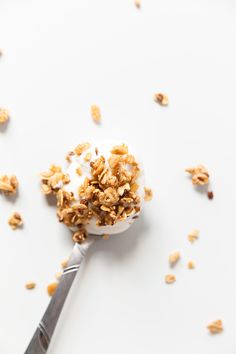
(64, 263)
(30, 285)
(58, 275)
(15, 221)
(52, 288)
(210, 195)
(191, 265)
(174, 258)
(82, 148)
(95, 113)
(68, 156)
(148, 194)
(79, 171)
(216, 327)
(161, 99)
(105, 237)
(8, 184)
(4, 115)
(170, 278)
(96, 151)
(137, 3)
(200, 175)
(193, 235)
(88, 157)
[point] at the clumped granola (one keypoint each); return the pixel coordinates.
(200, 175)
(95, 113)
(170, 278)
(193, 235)
(52, 288)
(148, 194)
(174, 258)
(53, 180)
(8, 184)
(216, 327)
(15, 221)
(161, 99)
(4, 115)
(109, 194)
(30, 285)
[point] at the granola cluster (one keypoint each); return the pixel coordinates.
(200, 175)
(53, 180)
(109, 194)
(4, 115)
(15, 221)
(8, 184)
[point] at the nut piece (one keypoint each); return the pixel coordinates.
(137, 3)
(210, 195)
(148, 194)
(216, 327)
(161, 99)
(95, 113)
(52, 288)
(191, 265)
(8, 184)
(30, 285)
(200, 175)
(4, 115)
(15, 221)
(170, 278)
(193, 235)
(174, 258)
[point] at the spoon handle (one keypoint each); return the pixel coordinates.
(43, 334)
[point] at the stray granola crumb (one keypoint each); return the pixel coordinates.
(82, 148)
(68, 156)
(210, 195)
(148, 194)
(174, 258)
(88, 157)
(4, 115)
(106, 237)
(79, 171)
(193, 235)
(64, 263)
(216, 327)
(170, 278)
(30, 285)
(191, 265)
(137, 3)
(58, 275)
(200, 175)
(161, 99)
(95, 113)
(8, 184)
(52, 288)
(15, 221)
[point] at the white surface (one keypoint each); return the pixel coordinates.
(59, 58)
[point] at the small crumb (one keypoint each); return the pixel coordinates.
(58, 275)
(96, 151)
(191, 265)
(4, 115)
(193, 235)
(148, 194)
(200, 175)
(52, 288)
(161, 99)
(79, 171)
(95, 113)
(69, 155)
(88, 157)
(30, 285)
(210, 195)
(137, 3)
(170, 278)
(174, 258)
(64, 263)
(105, 237)
(15, 221)
(216, 327)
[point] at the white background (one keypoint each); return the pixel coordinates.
(59, 58)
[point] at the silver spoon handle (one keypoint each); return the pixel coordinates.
(43, 334)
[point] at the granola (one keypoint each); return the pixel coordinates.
(193, 235)
(15, 221)
(8, 184)
(30, 285)
(200, 175)
(96, 113)
(53, 180)
(174, 258)
(4, 115)
(161, 99)
(216, 327)
(170, 278)
(52, 288)
(191, 265)
(148, 194)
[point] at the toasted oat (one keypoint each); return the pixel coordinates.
(148, 194)
(216, 327)
(82, 148)
(64, 263)
(79, 171)
(58, 275)
(69, 155)
(200, 175)
(15, 221)
(52, 288)
(120, 150)
(95, 113)
(30, 285)
(193, 235)
(4, 115)
(210, 195)
(8, 184)
(137, 3)
(191, 265)
(88, 157)
(105, 237)
(170, 278)
(174, 258)
(161, 99)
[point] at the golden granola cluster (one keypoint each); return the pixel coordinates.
(15, 221)
(109, 194)
(8, 184)
(53, 180)
(200, 175)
